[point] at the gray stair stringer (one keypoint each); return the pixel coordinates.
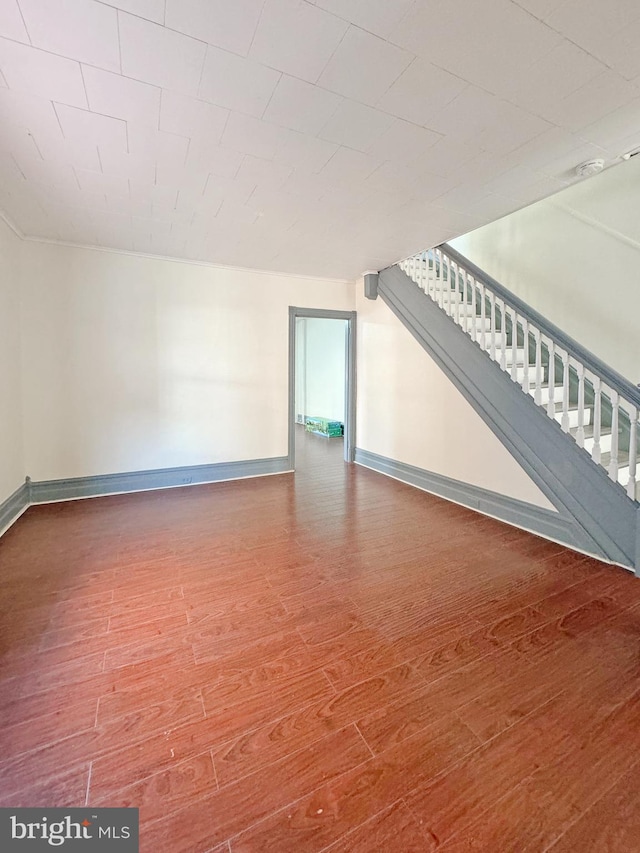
(606, 522)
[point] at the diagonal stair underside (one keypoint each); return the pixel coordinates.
(603, 519)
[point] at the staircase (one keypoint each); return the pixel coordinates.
(589, 401)
(568, 419)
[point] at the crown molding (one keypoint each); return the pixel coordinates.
(173, 259)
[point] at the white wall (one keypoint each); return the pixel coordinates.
(575, 257)
(320, 364)
(132, 363)
(410, 412)
(12, 470)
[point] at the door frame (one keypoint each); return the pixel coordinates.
(350, 377)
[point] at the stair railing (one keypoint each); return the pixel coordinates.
(589, 400)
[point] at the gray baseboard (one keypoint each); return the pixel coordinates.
(13, 507)
(47, 491)
(544, 522)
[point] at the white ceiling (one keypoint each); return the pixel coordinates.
(322, 137)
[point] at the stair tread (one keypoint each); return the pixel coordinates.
(588, 431)
(623, 459)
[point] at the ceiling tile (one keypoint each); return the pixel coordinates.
(116, 161)
(376, 16)
(263, 174)
(78, 29)
(597, 99)
(125, 204)
(364, 67)
(27, 111)
(80, 153)
(217, 190)
(215, 159)
(420, 91)
(236, 83)
(356, 125)
(168, 150)
(496, 45)
(301, 106)
(490, 122)
(348, 167)
(252, 136)
(317, 35)
(11, 23)
(556, 75)
(620, 51)
(48, 174)
(97, 182)
(27, 69)
(556, 153)
(238, 214)
(446, 156)
(119, 97)
(84, 126)
(615, 130)
(191, 117)
(143, 192)
(310, 187)
(307, 153)
(589, 25)
(152, 10)
(394, 178)
(159, 56)
(227, 25)
(403, 141)
(187, 181)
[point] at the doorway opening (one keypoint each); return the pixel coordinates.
(322, 374)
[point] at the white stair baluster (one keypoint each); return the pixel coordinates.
(514, 345)
(525, 334)
(492, 300)
(613, 463)
(565, 391)
(474, 308)
(538, 375)
(446, 279)
(596, 453)
(454, 299)
(503, 333)
(580, 432)
(633, 453)
(551, 405)
(435, 275)
(464, 297)
(483, 317)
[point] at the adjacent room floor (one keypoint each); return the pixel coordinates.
(326, 661)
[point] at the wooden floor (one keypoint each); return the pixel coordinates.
(326, 661)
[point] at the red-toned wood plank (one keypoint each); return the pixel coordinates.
(268, 743)
(164, 792)
(393, 829)
(612, 825)
(452, 802)
(319, 819)
(203, 824)
(66, 790)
